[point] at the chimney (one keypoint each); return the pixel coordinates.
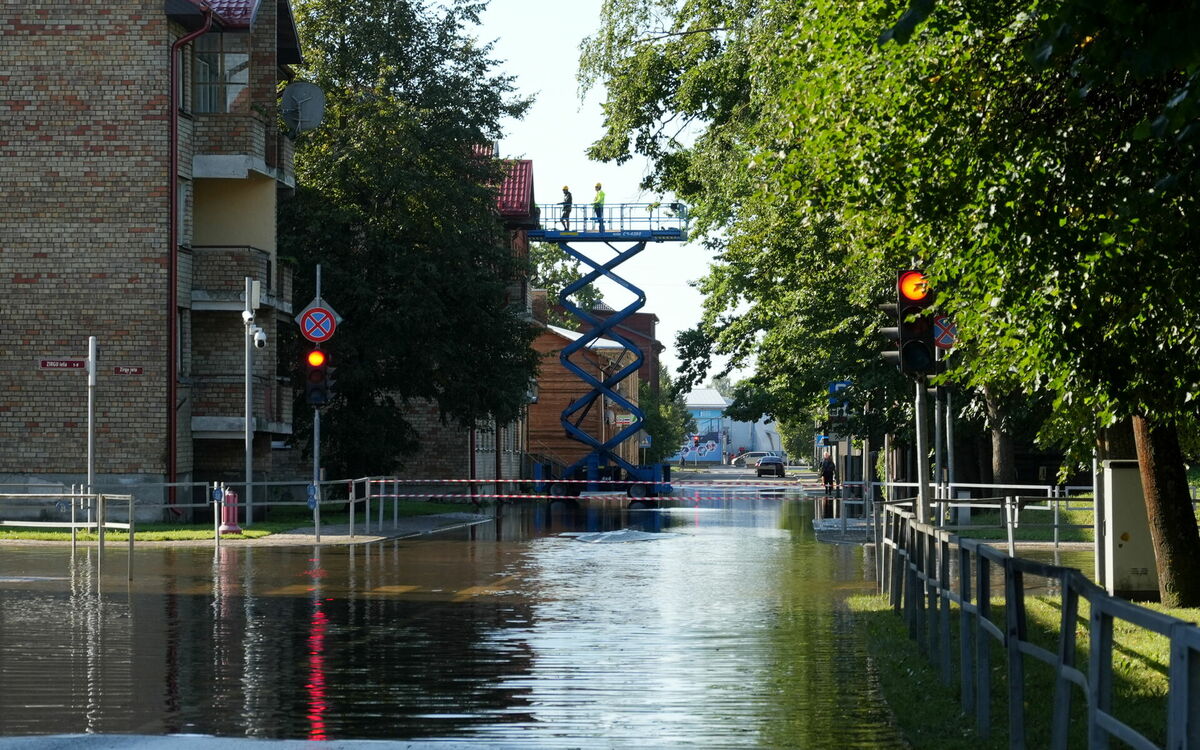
(540, 301)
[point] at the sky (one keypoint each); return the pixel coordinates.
(538, 43)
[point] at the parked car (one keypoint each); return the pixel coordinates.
(769, 466)
(750, 458)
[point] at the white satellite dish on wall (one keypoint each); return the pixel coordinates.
(303, 106)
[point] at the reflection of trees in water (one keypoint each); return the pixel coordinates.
(824, 693)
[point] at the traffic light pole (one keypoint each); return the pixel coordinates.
(317, 448)
(921, 424)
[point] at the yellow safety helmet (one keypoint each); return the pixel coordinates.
(564, 188)
(597, 186)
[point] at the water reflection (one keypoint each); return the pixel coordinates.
(725, 632)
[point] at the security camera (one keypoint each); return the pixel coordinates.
(260, 339)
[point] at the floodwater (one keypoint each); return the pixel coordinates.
(725, 628)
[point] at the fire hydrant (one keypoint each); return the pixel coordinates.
(229, 514)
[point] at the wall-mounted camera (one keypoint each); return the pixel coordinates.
(260, 338)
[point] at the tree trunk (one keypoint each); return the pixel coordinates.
(1117, 442)
(1004, 463)
(1169, 508)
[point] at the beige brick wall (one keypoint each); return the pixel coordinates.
(83, 230)
(84, 114)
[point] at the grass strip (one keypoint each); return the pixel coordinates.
(928, 711)
(279, 520)
(1033, 525)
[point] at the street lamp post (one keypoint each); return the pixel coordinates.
(255, 337)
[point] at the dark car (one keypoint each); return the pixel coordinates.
(769, 466)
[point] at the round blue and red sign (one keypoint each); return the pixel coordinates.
(317, 324)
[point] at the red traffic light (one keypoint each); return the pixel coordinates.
(316, 358)
(912, 286)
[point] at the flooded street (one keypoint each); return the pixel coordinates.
(724, 628)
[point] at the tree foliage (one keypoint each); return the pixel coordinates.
(1005, 148)
(552, 269)
(667, 419)
(398, 208)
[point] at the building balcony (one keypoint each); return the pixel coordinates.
(232, 146)
(218, 278)
(218, 407)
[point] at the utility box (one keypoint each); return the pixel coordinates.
(1129, 568)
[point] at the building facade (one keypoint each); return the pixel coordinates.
(142, 160)
(558, 388)
(718, 438)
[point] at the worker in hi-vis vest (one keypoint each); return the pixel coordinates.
(598, 204)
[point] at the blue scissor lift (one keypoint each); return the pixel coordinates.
(633, 224)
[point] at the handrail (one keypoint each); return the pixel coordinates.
(916, 576)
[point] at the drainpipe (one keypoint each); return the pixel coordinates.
(173, 251)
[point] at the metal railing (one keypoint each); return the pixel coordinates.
(92, 507)
(669, 217)
(917, 563)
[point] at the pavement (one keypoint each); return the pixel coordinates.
(331, 534)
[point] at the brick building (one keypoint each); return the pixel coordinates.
(558, 388)
(142, 163)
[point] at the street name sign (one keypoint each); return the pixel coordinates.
(63, 364)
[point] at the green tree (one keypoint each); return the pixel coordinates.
(827, 161)
(553, 269)
(667, 419)
(396, 204)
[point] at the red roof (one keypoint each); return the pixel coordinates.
(516, 192)
(239, 13)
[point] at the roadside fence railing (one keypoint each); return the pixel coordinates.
(918, 562)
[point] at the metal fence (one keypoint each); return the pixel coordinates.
(918, 560)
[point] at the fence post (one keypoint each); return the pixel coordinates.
(929, 555)
(366, 505)
(353, 491)
(965, 675)
(1014, 615)
(944, 589)
(1066, 658)
(131, 533)
(1010, 522)
(1183, 707)
(983, 647)
(75, 499)
(317, 512)
(1100, 644)
(100, 518)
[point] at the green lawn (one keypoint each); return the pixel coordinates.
(280, 519)
(1034, 525)
(928, 712)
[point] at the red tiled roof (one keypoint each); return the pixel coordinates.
(239, 13)
(516, 192)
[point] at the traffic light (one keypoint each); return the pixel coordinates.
(913, 332)
(695, 440)
(318, 382)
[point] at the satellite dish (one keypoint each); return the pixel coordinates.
(303, 106)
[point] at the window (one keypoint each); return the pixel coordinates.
(221, 73)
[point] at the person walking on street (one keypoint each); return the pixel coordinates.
(598, 205)
(827, 473)
(566, 208)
